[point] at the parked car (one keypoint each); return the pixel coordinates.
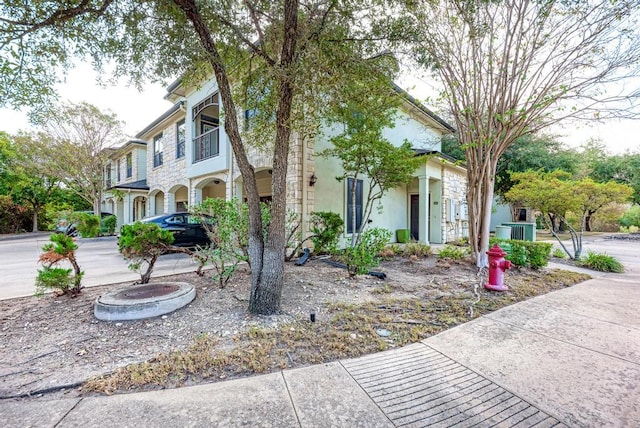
(67, 227)
(187, 229)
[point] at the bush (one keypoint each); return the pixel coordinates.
(143, 243)
(631, 217)
(361, 258)
(452, 253)
(109, 225)
(417, 249)
(61, 248)
(601, 262)
(326, 228)
(536, 254)
(225, 251)
(88, 225)
(559, 253)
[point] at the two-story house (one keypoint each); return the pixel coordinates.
(126, 187)
(189, 159)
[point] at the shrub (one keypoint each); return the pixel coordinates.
(536, 254)
(143, 243)
(452, 253)
(109, 225)
(518, 254)
(61, 248)
(417, 249)
(225, 252)
(326, 228)
(601, 262)
(88, 225)
(631, 217)
(559, 253)
(364, 255)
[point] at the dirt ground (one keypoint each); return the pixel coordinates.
(54, 344)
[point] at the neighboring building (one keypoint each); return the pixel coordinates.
(126, 187)
(189, 159)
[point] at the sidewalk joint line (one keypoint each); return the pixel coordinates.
(293, 405)
(67, 413)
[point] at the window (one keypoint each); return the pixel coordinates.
(206, 125)
(350, 207)
(118, 165)
(180, 139)
(129, 165)
(108, 176)
(157, 150)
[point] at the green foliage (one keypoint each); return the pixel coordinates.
(326, 228)
(417, 249)
(110, 224)
(224, 227)
(364, 255)
(51, 278)
(13, 217)
(143, 243)
(559, 253)
(631, 217)
(88, 225)
(452, 253)
(518, 254)
(61, 248)
(526, 253)
(601, 262)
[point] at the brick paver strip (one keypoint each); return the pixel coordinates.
(417, 386)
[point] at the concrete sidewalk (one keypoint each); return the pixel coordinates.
(570, 357)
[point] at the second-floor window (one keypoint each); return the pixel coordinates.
(157, 150)
(108, 176)
(129, 165)
(206, 124)
(180, 139)
(118, 177)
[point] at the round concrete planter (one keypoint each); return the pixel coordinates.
(143, 301)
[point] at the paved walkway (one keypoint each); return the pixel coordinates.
(568, 358)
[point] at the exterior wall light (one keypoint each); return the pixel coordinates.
(313, 179)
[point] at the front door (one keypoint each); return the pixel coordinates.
(414, 226)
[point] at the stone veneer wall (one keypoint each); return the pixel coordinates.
(172, 172)
(454, 187)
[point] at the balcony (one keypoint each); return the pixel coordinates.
(206, 145)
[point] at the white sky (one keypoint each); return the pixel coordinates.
(138, 109)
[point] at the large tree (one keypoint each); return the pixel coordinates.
(291, 50)
(73, 147)
(514, 67)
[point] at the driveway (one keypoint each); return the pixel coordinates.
(99, 258)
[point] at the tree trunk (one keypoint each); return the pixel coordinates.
(587, 221)
(480, 186)
(34, 229)
(266, 259)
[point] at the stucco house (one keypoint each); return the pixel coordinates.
(189, 159)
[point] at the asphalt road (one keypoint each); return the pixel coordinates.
(99, 258)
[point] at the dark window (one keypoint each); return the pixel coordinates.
(118, 165)
(129, 165)
(108, 176)
(157, 150)
(350, 207)
(248, 114)
(180, 139)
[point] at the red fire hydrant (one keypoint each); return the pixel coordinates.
(497, 266)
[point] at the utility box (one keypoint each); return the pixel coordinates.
(522, 231)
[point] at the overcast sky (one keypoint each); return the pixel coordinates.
(138, 109)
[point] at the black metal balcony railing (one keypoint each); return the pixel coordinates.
(206, 146)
